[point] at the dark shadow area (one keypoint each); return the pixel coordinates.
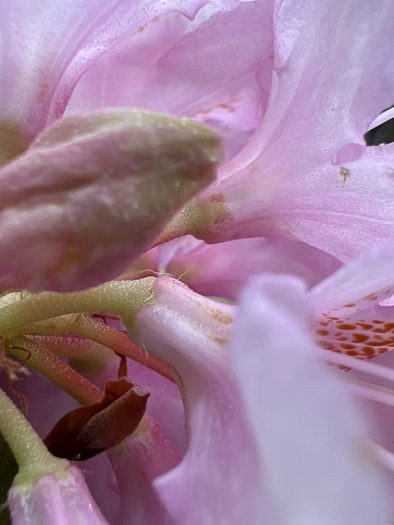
(383, 134)
(8, 470)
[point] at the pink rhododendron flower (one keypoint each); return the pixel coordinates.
(189, 333)
(202, 379)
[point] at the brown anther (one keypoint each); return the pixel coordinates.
(85, 432)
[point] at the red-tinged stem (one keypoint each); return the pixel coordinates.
(52, 367)
(119, 342)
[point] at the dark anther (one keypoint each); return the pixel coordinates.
(87, 431)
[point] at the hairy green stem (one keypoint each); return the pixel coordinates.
(49, 365)
(121, 297)
(31, 454)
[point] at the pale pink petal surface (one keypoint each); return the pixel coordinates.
(136, 462)
(365, 281)
(218, 480)
(215, 68)
(312, 439)
(306, 173)
(380, 413)
(223, 269)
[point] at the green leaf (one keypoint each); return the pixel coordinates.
(8, 470)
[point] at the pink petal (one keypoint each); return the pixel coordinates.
(341, 206)
(217, 481)
(55, 500)
(136, 462)
(103, 486)
(94, 192)
(223, 269)
(312, 440)
(382, 414)
(306, 173)
(49, 45)
(207, 68)
(359, 285)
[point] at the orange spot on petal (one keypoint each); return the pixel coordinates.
(229, 108)
(371, 297)
(347, 346)
(365, 326)
(326, 345)
(360, 338)
(369, 351)
(345, 326)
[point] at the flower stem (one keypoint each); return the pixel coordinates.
(118, 341)
(31, 454)
(73, 348)
(56, 370)
(121, 297)
(104, 337)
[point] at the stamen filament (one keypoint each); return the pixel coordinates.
(52, 367)
(384, 456)
(31, 454)
(373, 392)
(357, 364)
